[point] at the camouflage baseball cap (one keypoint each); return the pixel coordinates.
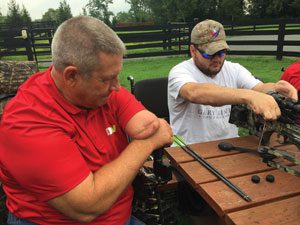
(210, 36)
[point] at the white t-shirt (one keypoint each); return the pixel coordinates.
(200, 123)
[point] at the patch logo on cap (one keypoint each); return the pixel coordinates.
(214, 33)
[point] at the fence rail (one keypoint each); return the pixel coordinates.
(273, 38)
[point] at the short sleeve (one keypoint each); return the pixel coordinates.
(125, 105)
(179, 76)
(245, 79)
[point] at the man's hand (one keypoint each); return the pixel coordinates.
(286, 89)
(146, 126)
(264, 105)
(282, 87)
(163, 136)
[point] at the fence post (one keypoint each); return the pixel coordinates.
(280, 41)
(167, 31)
(50, 36)
(27, 44)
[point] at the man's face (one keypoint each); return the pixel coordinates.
(93, 90)
(210, 67)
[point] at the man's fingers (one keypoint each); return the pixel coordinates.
(286, 89)
(266, 106)
(271, 114)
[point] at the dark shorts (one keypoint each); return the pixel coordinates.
(13, 220)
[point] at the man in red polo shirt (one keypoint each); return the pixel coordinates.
(64, 156)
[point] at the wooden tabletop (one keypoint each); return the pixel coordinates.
(238, 168)
(285, 211)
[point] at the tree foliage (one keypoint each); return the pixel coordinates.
(84, 12)
(124, 17)
(50, 15)
(230, 9)
(258, 8)
(2, 18)
(63, 12)
(174, 10)
(25, 16)
(164, 11)
(139, 10)
(59, 15)
(274, 8)
(14, 17)
(99, 9)
(294, 8)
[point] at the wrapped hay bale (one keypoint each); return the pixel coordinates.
(12, 75)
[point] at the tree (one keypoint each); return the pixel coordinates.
(124, 17)
(277, 9)
(25, 16)
(99, 9)
(258, 8)
(2, 18)
(63, 12)
(204, 9)
(50, 15)
(231, 9)
(84, 12)
(162, 11)
(294, 8)
(14, 17)
(166, 11)
(140, 10)
(274, 8)
(284, 8)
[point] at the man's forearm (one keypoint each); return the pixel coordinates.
(282, 87)
(214, 95)
(97, 193)
(264, 87)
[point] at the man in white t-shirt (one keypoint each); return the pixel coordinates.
(202, 89)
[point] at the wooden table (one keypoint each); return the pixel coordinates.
(281, 198)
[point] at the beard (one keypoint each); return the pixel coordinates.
(212, 69)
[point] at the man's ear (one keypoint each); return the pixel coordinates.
(192, 50)
(71, 75)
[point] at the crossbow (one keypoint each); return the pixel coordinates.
(287, 126)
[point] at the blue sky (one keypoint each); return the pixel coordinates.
(37, 8)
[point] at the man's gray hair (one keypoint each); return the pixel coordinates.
(79, 40)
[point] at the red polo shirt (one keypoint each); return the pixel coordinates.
(48, 146)
(292, 75)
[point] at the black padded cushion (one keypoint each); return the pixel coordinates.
(153, 95)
